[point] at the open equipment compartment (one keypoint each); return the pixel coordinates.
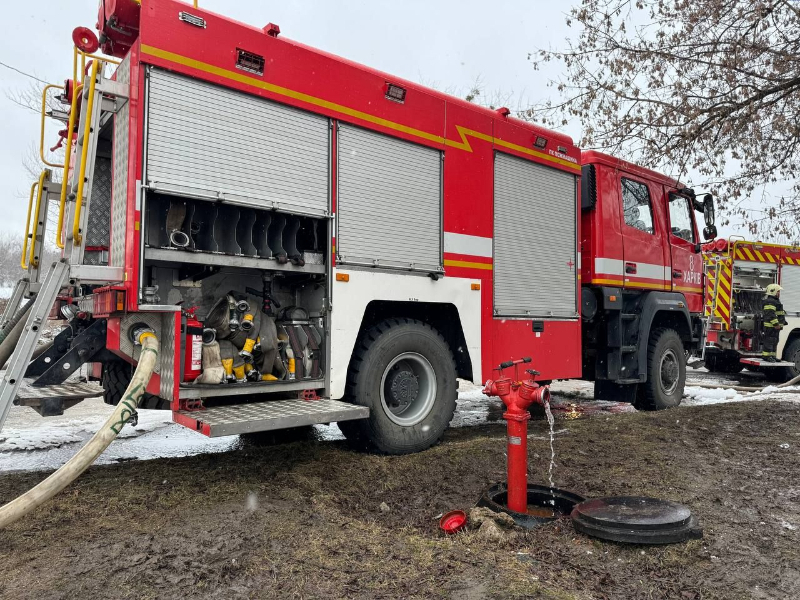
(236, 232)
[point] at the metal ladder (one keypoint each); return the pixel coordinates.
(713, 309)
(18, 363)
(102, 98)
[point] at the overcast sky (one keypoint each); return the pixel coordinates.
(446, 44)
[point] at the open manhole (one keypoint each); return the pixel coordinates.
(545, 504)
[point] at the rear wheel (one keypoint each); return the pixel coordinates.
(403, 370)
(666, 372)
(116, 377)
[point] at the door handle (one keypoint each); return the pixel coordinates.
(677, 274)
(630, 268)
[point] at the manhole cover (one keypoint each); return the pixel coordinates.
(636, 520)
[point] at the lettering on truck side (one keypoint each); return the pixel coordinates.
(692, 277)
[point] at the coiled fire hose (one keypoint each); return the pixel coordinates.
(126, 408)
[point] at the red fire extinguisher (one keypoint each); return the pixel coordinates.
(193, 350)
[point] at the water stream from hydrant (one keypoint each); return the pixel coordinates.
(550, 422)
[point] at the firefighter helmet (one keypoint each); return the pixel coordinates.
(773, 289)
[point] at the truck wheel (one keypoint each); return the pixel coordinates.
(116, 377)
(403, 370)
(666, 372)
(790, 353)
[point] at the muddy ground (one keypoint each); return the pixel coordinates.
(304, 520)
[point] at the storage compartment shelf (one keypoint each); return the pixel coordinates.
(226, 260)
(193, 391)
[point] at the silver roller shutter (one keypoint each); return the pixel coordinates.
(389, 201)
(207, 140)
(790, 294)
(535, 261)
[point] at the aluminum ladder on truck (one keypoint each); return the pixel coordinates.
(101, 98)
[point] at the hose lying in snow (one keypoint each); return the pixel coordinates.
(742, 388)
(48, 488)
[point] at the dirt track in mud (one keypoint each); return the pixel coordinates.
(303, 520)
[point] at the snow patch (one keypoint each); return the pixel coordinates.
(69, 432)
(698, 396)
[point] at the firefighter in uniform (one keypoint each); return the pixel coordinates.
(773, 320)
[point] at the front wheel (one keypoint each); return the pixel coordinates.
(666, 372)
(403, 370)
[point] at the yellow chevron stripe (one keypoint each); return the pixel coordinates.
(788, 259)
(724, 295)
(769, 256)
(748, 253)
(463, 132)
(724, 310)
(759, 255)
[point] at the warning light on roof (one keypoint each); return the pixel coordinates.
(540, 142)
(395, 93)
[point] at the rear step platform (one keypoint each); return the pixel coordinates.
(51, 400)
(760, 362)
(235, 419)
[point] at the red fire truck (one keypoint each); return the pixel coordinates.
(737, 273)
(312, 241)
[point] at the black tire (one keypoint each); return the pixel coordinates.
(375, 352)
(721, 363)
(116, 377)
(666, 376)
(791, 353)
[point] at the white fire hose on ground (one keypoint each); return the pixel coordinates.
(742, 388)
(126, 408)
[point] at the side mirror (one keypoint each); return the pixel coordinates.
(709, 214)
(710, 232)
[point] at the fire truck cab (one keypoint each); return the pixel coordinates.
(642, 277)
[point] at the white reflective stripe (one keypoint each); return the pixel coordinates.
(649, 271)
(461, 243)
(608, 266)
(613, 266)
(579, 261)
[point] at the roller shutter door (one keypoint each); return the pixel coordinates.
(389, 201)
(206, 139)
(535, 240)
(790, 294)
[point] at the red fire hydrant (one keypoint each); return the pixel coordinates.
(517, 396)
